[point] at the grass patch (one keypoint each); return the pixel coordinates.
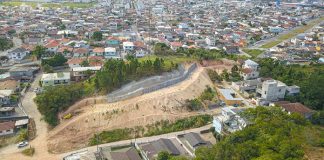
(29, 151)
(169, 61)
(253, 52)
(293, 33)
(166, 126)
(7, 140)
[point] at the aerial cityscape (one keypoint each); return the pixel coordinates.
(161, 79)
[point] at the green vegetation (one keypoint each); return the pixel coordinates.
(39, 51)
(293, 33)
(58, 98)
(57, 60)
(115, 73)
(22, 135)
(29, 151)
(208, 94)
(166, 126)
(49, 5)
(214, 76)
(157, 128)
(112, 136)
(97, 36)
(5, 44)
(273, 134)
(253, 52)
(198, 103)
(164, 155)
(310, 79)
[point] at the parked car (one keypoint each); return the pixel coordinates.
(22, 144)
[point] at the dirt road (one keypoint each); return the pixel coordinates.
(40, 142)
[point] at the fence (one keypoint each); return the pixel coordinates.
(152, 84)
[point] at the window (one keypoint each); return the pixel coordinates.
(265, 92)
(8, 130)
(279, 90)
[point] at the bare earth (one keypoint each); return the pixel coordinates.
(93, 115)
(140, 111)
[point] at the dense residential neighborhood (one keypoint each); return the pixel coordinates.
(161, 79)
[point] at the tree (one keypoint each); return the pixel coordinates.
(163, 155)
(57, 60)
(39, 51)
(5, 44)
(85, 63)
(225, 75)
(97, 35)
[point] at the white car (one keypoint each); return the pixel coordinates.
(22, 144)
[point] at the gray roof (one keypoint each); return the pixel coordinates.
(153, 148)
(18, 50)
(128, 153)
(251, 63)
(194, 139)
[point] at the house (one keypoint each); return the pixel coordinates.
(98, 51)
(5, 97)
(229, 96)
(80, 73)
(293, 90)
(229, 121)
(7, 128)
(194, 141)
(210, 41)
(7, 111)
(275, 30)
(128, 46)
(295, 108)
(250, 70)
(271, 90)
(149, 151)
(75, 62)
(110, 52)
(113, 42)
(10, 84)
(231, 49)
(80, 52)
(127, 153)
(175, 45)
(52, 46)
(53, 79)
(18, 54)
(23, 72)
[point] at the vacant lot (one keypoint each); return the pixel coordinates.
(165, 104)
(253, 52)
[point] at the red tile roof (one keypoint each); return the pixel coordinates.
(7, 125)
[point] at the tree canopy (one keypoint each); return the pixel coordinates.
(309, 78)
(97, 35)
(5, 44)
(273, 134)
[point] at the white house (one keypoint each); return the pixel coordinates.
(250, 70)
(210, 41)
(272, 90)
(5, 96)
(128, 46)
(53, 79)
(7, 128)
(229, 120)
(110, 52)
(18, 54)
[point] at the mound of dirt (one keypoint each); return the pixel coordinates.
(160, 105)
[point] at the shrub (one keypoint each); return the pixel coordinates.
(29, 151)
